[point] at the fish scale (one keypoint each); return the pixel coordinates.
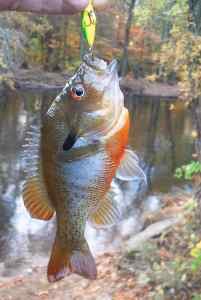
(98, 190)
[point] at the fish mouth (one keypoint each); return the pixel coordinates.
(100, 65)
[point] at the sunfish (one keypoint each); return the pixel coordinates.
(80, 146)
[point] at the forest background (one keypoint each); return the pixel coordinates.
(158, 44)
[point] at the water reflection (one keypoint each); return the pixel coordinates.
(161, 136)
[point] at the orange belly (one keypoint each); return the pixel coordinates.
(116, 146)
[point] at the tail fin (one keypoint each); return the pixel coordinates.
(63, 262)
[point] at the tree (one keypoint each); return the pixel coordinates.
(124, 64)
(195, 10)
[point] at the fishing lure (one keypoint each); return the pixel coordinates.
(88, 24)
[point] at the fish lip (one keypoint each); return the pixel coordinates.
(87, 58)
(95, 63)
(99, 64)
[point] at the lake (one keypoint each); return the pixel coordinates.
(161, 134)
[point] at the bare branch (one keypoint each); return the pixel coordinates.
(50, 6)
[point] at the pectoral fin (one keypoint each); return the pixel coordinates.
(107, 213)
(129, 168)
(36, 199)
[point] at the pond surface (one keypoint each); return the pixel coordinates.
(161, 133)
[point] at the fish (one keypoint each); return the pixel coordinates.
(73, 155)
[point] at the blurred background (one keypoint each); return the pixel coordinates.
(158, 46)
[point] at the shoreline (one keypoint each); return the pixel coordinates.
(26, 80)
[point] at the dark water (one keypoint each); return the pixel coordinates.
(161, 135)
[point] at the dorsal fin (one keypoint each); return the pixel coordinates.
(129, 168)
(35, 195)
(36, 199)
(107, 213)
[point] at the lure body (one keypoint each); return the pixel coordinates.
(88, 24)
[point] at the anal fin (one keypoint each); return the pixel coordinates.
(107, 213)
(36, 199)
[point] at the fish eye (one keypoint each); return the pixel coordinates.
(77, 92)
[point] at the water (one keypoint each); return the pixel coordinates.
(161, 134)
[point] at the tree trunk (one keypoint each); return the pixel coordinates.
(195, 15)
(195, 26)
(124, 64)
